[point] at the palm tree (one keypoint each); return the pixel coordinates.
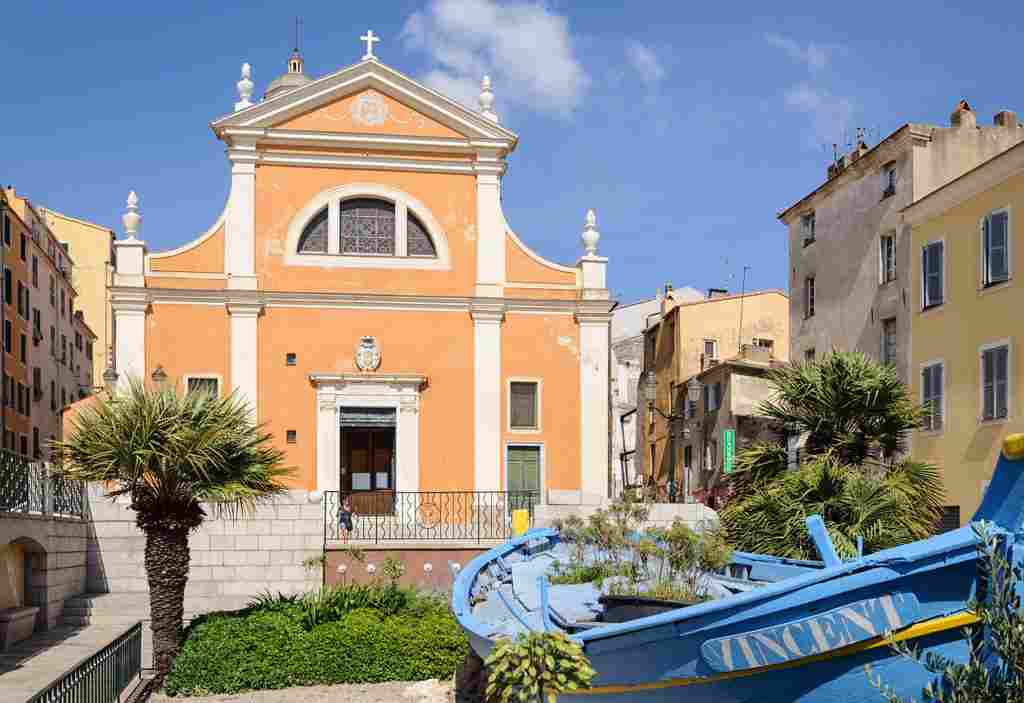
(171, 453)
(856, 415)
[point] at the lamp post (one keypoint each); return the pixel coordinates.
(677, 422)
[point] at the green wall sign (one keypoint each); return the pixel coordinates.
(729, 449)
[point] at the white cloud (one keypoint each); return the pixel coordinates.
(646, 63)
(526, 49)
(814, 56)
(830, 115)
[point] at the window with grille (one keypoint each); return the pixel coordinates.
(995, 379)
(418, 242)
(523, 403)
(995, 248)
(889, 341)
(367, 227)
(931, 397)
(807, 228)
(203, 384)
(931, 270)
(888, 180)
(887, 252)
(809, 297)
(314, 235)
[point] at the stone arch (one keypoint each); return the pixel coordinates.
(34, 585)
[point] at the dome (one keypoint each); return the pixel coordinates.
(289, 81)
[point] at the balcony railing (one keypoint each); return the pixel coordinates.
(34, 488)
(463, 516)
(102, 677)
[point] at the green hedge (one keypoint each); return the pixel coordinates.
(258, 649)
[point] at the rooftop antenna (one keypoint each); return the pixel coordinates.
(743, 292)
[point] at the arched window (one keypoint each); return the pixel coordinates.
(418, 242)
(314, 235)
(367, 226)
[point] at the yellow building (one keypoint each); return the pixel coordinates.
(91, 246)
(689, 338)
(966, 298)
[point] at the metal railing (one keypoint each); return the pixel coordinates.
(35, 488)
(427, 515)
(102, 677)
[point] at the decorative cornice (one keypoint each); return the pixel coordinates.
(399, 380)
(380, 163)
(269, 136)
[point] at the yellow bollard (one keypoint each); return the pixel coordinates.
(520, 521)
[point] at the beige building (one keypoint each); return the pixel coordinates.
(689, 338)
(849, 250)
(965, 300)
(91, 245)
(726, 419)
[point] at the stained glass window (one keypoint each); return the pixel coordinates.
(314, 236)
(417, 240)
(367, 227)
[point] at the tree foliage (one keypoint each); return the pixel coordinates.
(855, 414)
(994, 671)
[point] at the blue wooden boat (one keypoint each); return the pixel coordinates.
(806, 633)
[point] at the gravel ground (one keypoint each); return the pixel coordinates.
(395, 692)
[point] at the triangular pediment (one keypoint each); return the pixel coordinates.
(368, 97)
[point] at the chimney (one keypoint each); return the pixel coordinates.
(963, 116)
(716, 293)
(1006, 118)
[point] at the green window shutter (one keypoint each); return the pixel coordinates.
(524, 469)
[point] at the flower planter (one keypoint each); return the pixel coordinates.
(626, 608)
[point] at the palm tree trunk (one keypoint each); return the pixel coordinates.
(167, 562)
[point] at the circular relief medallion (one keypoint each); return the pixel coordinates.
(429, 516)
(370, 109)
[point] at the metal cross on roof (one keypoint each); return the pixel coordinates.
(369, 38)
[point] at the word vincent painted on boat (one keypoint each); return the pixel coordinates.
(817, 634)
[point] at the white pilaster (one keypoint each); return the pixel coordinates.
(130, 335)
(328, 451)
(490, 227)
(244, 318)
(240, 225)
(407, 439)
(594, 345)
(487, 321)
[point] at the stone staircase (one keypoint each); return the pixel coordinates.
(112, 610)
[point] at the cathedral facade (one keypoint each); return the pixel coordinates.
(363, 292)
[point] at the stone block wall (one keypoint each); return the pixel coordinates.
(232, 560)
(55, 552)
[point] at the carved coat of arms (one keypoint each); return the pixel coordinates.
(367, 354)
(369, 109)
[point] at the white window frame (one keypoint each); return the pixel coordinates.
(1008, 343)
(333, 258)
(714, 348)
(895, 333)
(197, 376)
(808, 234)
(883, 270)
(508, 404)
(889, 178)
(924, 279)
(542, 498)
(983, 283)
(942, 401)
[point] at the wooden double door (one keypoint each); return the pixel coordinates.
(368, 469)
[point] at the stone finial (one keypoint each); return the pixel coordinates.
(131, 218)
(487, 99)
(245, 86)
(963, 115)
(590, 234)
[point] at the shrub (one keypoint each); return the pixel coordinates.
(534, 668)
(268, 645)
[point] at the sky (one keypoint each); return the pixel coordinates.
(686, 126)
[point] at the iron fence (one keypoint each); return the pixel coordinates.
(426, 515)
(102, 677)
(35, 488)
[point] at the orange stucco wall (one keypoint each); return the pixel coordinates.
(206, 257)
(546, 348)
(281, 191)
(186, 283)
(520, 267)
(188, 339)
(338, 117)
(410, 342)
